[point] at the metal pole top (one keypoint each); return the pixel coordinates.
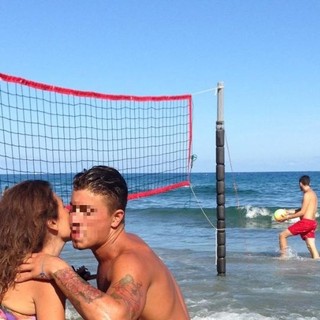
(220, 102)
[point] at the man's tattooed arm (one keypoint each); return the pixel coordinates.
(125, 294)
(130, 293)
(75, 286)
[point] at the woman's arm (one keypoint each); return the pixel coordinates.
(49, 301)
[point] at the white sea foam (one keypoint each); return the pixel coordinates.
(232, 316)
(254, 212)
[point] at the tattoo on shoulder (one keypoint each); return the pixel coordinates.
(129, 291)
(76, 286)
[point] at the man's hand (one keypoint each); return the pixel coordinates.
(39, 266)
(283, 218)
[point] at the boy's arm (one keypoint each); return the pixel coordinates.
(49, 301)
(293, 213)
(125, 300)
(302, 211)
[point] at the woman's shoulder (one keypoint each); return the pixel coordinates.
(21, 300)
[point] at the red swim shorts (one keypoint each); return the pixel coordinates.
(305, 227)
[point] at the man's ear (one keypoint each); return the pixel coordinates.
(52, 224)
(117, 217)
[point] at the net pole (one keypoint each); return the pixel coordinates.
(220, 183)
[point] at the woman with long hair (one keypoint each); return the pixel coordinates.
(32, 219)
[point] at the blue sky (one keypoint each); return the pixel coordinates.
(265, 51)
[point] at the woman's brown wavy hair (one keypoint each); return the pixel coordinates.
(24, 211)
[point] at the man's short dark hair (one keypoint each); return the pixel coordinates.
(105, 181)
(305, 180)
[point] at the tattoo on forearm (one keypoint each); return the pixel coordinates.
(129, 291)
(126, 290)
(76, 286)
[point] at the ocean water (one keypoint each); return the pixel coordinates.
(180, 227)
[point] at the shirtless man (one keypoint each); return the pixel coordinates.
(132, 281)
(307, 225)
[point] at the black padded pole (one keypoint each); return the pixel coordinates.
(220, 185)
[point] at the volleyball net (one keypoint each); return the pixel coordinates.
(51, 133)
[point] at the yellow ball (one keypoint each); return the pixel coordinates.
(279, 214)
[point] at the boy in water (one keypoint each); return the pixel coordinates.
(307, 225)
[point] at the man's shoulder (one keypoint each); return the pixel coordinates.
(312, 193)
(134, 252)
